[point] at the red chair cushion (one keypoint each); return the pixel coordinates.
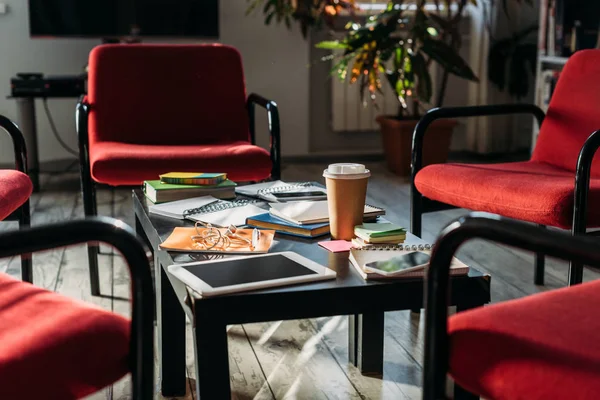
(15, 189)
(572, 113)
(53, 347)
(166, 94)
(529, 191)
(130, 164)
(545, 346)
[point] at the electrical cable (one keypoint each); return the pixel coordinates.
(55, 131)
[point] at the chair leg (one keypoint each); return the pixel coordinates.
(90, 209)
(539, 266)
(576, 269)
(538, 273)
(26, 260)
(416, 212)
(579, 228)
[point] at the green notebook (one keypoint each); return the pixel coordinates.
(378, 230)
(159, 192)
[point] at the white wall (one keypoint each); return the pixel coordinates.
(275, 62)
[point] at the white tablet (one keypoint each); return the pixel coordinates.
(239, 274)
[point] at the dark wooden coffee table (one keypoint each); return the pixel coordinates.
(364, 302)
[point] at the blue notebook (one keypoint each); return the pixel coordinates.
(268, 221)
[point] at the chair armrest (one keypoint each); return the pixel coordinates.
(123, 238)
(581, 191)
(81, 121)
(459, 112)
(494, 228)
(18, 143)
(81, 125)
(274, 129)
(582, 181)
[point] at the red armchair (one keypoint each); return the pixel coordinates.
(54, 347)
(543, 346)
(552, 188)
(155, 108)
(15, 189)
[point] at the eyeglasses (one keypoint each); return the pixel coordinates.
(211, 238)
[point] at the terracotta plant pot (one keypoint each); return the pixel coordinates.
(397, 142)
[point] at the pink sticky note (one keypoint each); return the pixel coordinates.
(336, 246)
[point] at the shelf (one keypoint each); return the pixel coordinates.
(554, 60)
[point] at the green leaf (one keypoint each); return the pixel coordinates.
(268, 5)
(392, 78)
(398, 58)
(269, 17)
(448, 58)
(424, 85)
(252, 6)
(399, 87)
(331, 45)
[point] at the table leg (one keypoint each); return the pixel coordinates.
(212, 360)
(459, 392)
(365, 342)
(139, 230)
(171, 336)
(27, 124)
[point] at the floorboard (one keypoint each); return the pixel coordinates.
(302, 359)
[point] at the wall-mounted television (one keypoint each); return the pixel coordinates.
(118, 18)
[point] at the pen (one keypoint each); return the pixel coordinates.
(255, 236)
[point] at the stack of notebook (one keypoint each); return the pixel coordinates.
(184, 185)
(378, 233)
(268, 221)
(313, 212)
(301, 218)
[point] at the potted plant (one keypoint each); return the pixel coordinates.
(397, 46)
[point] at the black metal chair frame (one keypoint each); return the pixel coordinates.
(112, 232)
(582, 249)
(21, 214)
(419, 204)
(88, 186)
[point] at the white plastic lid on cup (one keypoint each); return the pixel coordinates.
(346, 171)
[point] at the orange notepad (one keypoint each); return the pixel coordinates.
(180, 240)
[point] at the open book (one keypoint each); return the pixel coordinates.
(312, 212)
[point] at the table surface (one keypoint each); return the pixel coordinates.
(347, 276)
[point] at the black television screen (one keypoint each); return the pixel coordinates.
(115, 18)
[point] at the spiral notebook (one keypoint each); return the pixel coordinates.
(224, 213)
(266, 191)
(180, 208)
(360, 257)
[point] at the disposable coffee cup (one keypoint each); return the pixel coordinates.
(346, 196)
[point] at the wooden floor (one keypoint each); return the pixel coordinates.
(304, 359)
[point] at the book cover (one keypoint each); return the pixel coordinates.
(268, 221)
(158, 185)
(159, 192)
(193, 178)
(378, 230)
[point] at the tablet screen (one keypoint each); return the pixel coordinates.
(248, 270)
